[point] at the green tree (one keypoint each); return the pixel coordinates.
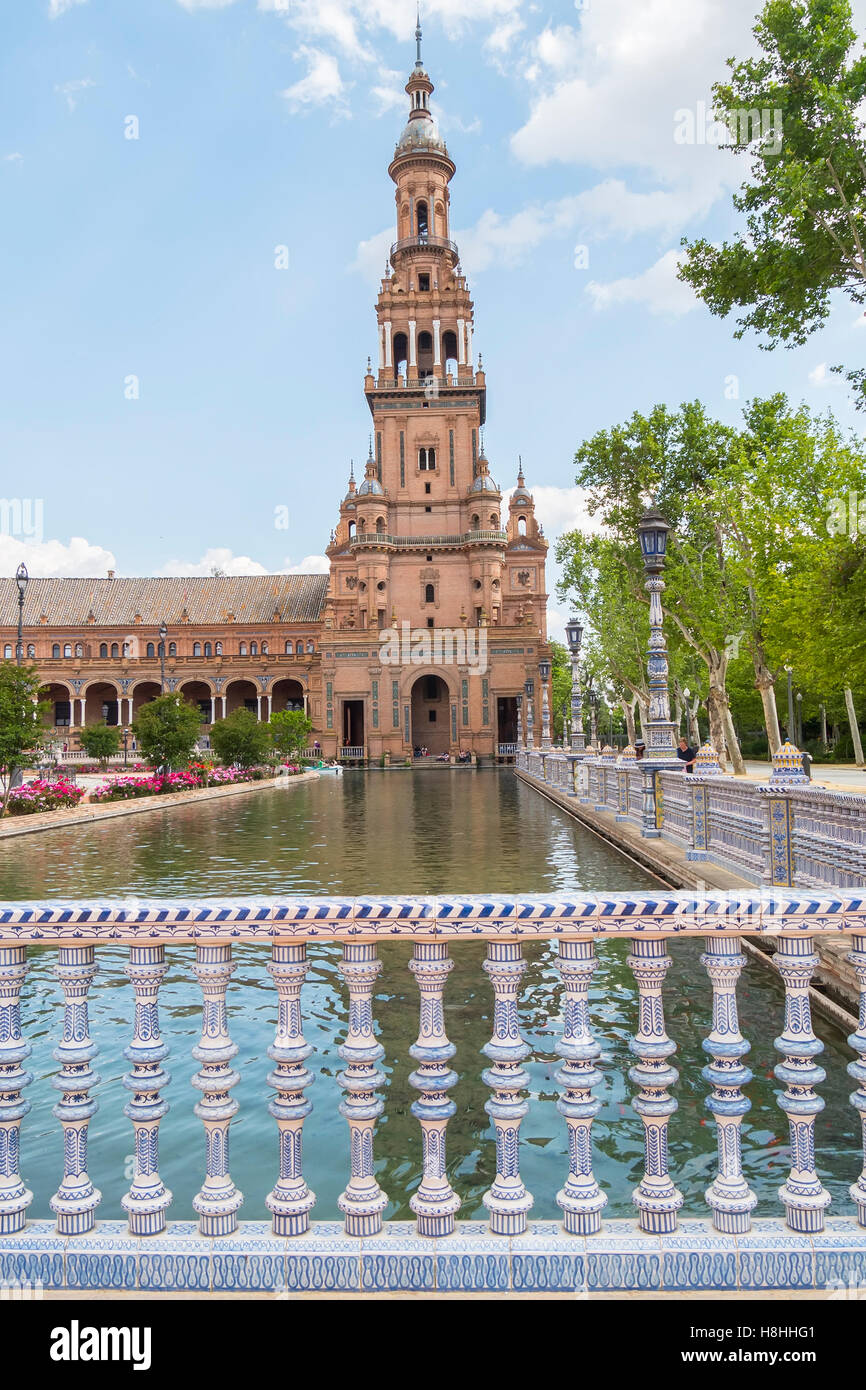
(560, 687)
(241, 739)
(21, 716)
(167, 729)
(804, 206)
(100, 741)
(290, 730)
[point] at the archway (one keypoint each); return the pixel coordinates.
(59, 701)
(143, 693)
(101, 704)
(198, 693)
(431, 710)
(287, 694)
(242, 695)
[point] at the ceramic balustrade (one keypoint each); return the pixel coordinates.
(576, 927)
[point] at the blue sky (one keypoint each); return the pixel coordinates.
(266, 123)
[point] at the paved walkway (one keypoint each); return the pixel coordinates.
(843, 777)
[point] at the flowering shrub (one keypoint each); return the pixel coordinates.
(293, 769)
(36, 796)
(195, 776)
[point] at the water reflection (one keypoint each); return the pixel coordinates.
(436, 831)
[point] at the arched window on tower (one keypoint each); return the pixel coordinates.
(521, 526)
(449, 347)
(422, 219)
(425, 354)
(476, 522)
(494, 522)
(401, 354)
(429, 593)
(427, 460)
(380, 526)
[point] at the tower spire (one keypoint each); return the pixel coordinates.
(418, 36)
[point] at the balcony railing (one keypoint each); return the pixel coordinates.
(508, 750)
(423, 242)
(75, 1251)
(381, 540)
(354, 751)
(431, 385)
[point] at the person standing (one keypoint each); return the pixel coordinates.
(687, 754)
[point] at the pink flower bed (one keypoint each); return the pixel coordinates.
(127, 788)
(32, 797)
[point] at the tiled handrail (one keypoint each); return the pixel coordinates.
(510, 1251)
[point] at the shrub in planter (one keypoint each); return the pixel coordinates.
(36, 796)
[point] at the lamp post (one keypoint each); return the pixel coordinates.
(521, 739)
(125, 745)
(661, 741)
(792, 733)
(529, 688)
(574, 637)
(163, 633)
(799, 718)
(593, 701)
(544, 669)
(22, 579)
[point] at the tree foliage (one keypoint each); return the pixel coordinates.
(241, 740)
(100, 741)
(167, 729)
(290, 730)
(21, 721)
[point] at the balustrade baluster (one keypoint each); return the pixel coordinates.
(435, 1202)
(363, 1201)
(582, 1200)
(148, 1197)
(857, 1070)
(730, 1197)
(14, 1196)
(804, 1197)
(507, 1200)
(291, 1200)
(657, 1199)
(218, 1199)
(76, 1199)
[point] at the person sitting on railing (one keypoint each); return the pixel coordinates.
(639, 749)
(687, 754)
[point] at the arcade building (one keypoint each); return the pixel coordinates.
(421, 542)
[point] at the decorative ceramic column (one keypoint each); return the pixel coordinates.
(218, 1200)
(435, 1203)
(857, 1070)
(582, 1200)
(76, 1199)
(148, 1197)
(730, 1196)
(14, 1196)
(363, 1201)
(529, 689)
(521, 737)
(507, 1200)
(291, 1200)
(804, 1198)
(656, 1199)
(544, 668)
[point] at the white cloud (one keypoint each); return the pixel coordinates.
(218, 558)
(560, 509)
(311, 564)
(823, 376)
(372, 255)
(322, 83)
(71, 90)
(59, 7)
(13, 158)
(205, 4)
(657, 289)
(52, 559)
(223, 559)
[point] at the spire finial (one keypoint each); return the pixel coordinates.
(418, 36)
(351, 469)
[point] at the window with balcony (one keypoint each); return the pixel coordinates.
(67, 649)
(196, 648)
(151, 650)
(103, 649)
(208, 649)
(115, 650)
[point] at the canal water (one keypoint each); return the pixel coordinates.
(431, 831)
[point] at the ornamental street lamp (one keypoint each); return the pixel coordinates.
(163, 633)
(22, 579)
(521, 743)
(653, 532)
(544, 669)
(574, 637)
(529, 688)
(593, 702)
(125, 745)
(792, 734)
(799, 718)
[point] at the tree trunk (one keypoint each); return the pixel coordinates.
(643, 707)
(767, 691)
(855, 727)
(732, 741)
(628, 711)
(715, 701)
(694, 727)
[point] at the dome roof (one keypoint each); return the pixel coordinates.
(421, 133)
(484, 483)
(371, 486)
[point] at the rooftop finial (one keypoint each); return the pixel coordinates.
(418, 61)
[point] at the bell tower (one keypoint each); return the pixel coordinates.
(420, 540)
